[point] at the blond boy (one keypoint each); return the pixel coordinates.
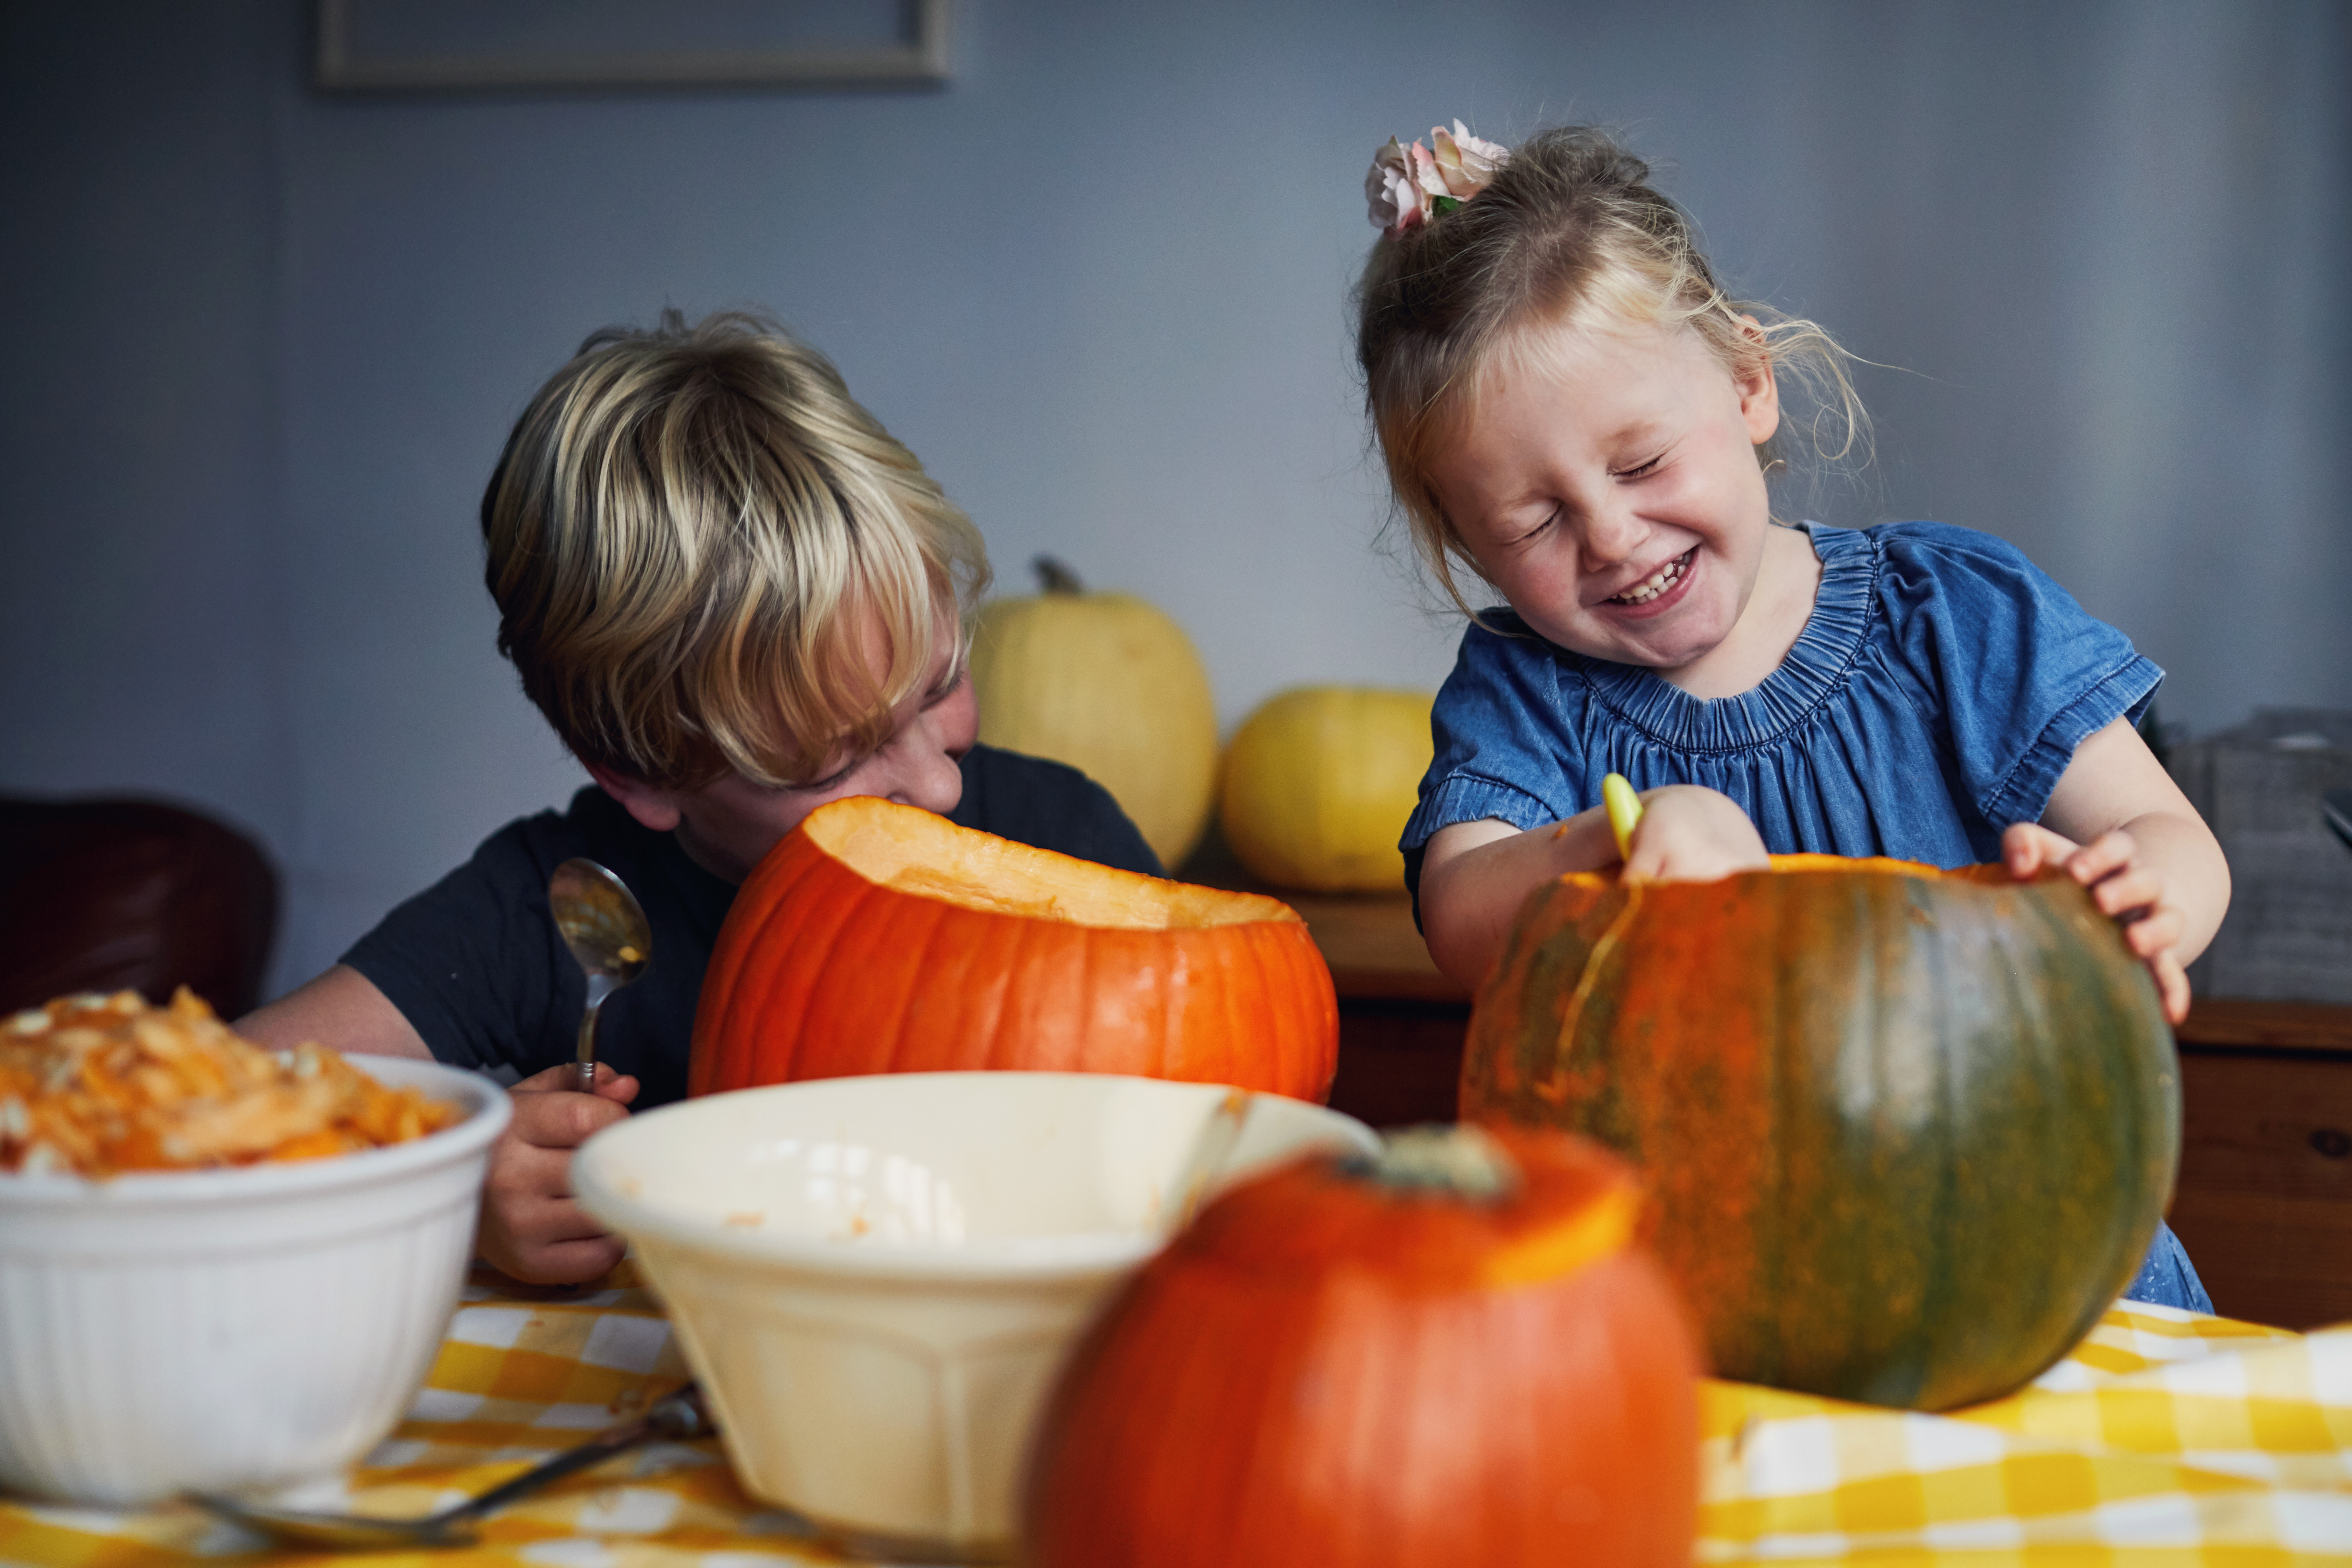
(735, 597)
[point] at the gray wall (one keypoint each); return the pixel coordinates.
(266, 343)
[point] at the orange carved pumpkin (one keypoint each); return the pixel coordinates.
(1449, 1354)
(879, 938)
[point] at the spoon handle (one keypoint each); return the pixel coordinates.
(678, 1417)
(584, 1069)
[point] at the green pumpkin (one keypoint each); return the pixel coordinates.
(1907, 1133)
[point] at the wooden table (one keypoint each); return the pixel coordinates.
(2264, 1198)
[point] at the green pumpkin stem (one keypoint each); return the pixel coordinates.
(1055, 577)
(1458, 1161)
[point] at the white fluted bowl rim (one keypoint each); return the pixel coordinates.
(488, 1112)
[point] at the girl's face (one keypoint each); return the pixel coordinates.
(1607, 483)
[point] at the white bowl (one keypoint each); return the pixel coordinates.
(238, 1328)
(875, 1278)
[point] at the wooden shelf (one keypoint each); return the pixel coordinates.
(2230, 1022)
(1374, 951)
(1370, 941)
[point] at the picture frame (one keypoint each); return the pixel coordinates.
(489, 45)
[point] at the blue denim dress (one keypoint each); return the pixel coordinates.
(1935, 695)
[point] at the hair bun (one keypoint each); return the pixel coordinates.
(1409, 186)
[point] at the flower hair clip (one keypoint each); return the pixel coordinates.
(1410, 185)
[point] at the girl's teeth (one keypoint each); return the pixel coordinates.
(1655, 586)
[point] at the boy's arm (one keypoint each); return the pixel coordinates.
(2117, 824)
(529, 1227)
(341, 1008)
(1476, 875)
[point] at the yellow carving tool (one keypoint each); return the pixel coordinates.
(1624, 812)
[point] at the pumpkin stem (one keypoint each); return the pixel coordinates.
(1055, 577)
(1459, 1162)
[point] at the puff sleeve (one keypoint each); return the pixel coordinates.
(2001, 659)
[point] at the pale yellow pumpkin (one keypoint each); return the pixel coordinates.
(1319, 783)
(1111, 686)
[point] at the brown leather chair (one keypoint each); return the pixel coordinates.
(108, 895)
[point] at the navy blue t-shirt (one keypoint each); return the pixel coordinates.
(1934, 696)
(475, 964)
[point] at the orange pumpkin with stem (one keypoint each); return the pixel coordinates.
(1448, 1354)
(880, 937)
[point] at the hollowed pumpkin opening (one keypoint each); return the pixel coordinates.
(1991, 874)
(879, 938)
(1994, 873)
(911, 851)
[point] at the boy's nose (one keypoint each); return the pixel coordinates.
(928, 777)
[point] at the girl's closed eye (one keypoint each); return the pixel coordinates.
(1639, 470)
(1527, 536)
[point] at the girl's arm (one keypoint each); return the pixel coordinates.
(1476, 875)
(2118, 825)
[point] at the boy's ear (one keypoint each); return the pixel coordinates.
(1760, 393)
(653, 808)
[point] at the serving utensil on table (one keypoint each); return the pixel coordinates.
(2337, 806)
(605, 928)
(678, 1417)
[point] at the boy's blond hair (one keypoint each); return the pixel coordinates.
(695, 536)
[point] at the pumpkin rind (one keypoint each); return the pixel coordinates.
(1906, 1134)
(1317, 1372)
(1318, 784)
(820, 972)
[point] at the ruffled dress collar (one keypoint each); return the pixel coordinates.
(1823, 656)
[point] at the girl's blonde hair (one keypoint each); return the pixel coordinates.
(1570, 232)
(696, 538)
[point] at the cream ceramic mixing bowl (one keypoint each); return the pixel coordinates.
(875, 1278)
(232, 1328)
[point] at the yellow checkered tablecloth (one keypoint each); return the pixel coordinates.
(2165, 1440)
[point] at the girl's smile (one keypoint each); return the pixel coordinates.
(1655, 594)
(1606, 482)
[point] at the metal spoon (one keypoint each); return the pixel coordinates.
(676, 1418)
(2337, 806)
(606, 931)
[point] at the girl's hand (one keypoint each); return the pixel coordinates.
(1476, 875)
(1691, 834)
(2125, 886)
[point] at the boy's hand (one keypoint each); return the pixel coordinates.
(2124, 886)
(1691, 834)
(530, 1228)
